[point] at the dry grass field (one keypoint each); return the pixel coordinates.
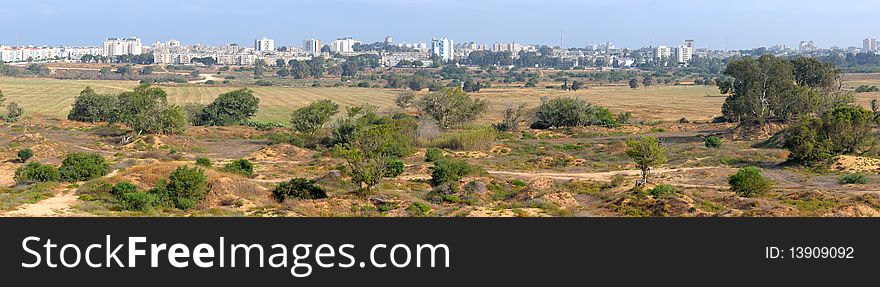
(53, 98)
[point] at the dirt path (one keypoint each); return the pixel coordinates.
(56, 206)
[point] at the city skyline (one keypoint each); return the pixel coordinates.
(517, 21)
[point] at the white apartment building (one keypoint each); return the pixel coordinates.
(684, 54)
(343, 45)
(869, 45)
(662, 52)
(264, 45)
(312, 46)
(30, 53)
(122, 46)
(442, 48)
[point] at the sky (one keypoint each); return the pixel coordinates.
(733, 24)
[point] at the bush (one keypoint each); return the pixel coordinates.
(300, 188)
(81, 166)
(25, 154)
(418, 209)
(663, 191)
(240, 166)
(749, 182)
(37, 172)
(433, 154)
(138, 201)
(449, 171)
(451, 106)
(184, 189)
(571, 112)
(393, 168)
(122, 188)
(203, 162)
(844, 130)
(712, 142)
(853, 178)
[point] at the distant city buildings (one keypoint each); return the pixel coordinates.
(869, 45)
(264, 45)
(662, 52)
(388, 40)
(807, 46)
(312, 46)
(344, 45)
(122, 46)
(442, 48)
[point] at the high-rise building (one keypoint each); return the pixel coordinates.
(684, 54)
(442, 48)
(122, 46)
(264, 45)
(388, 40)
(662, 52)
(343, 45)
(869, 45)
(312, 46)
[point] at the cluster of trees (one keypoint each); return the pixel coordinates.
(75, 167)
(312, 68)
(774, 88)
(844, 130)
(146, 110)
(184, 188)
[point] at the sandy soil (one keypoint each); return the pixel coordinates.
(56, 206)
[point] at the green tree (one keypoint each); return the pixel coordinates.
(231, 108)
(633, 83)
(92, 107)
(646, 152)
(82, 166)
(451, 106)
(13, 112)
(25, 154)
(146, 110)
(311, 118)
(844, 130)
(404, 100)
(371, 152)
(749, 182)
(647, 81)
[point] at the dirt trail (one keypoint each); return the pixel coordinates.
(56, 206)
(599, 176)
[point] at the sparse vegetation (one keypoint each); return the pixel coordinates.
(81, 166)
(240, 166)
(299, 188)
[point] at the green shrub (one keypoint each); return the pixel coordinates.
(749, 182)
(449, 170)
(81, 166)
(571, 112)
(25, 154)
(418, 209)
(203, 162)
(184, 189)
(240, 166)
(122, 188)
(433, 154)
(853, 178)
(37, 172)
(663, 191)
(138, 201)
(300, 188)
(393, 168)
(712, 142)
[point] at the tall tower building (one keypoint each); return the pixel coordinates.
(869, 45)
(388, 41)
(264, 44)
(442, 48)
(312, 46)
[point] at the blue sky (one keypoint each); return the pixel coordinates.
(627, 23)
